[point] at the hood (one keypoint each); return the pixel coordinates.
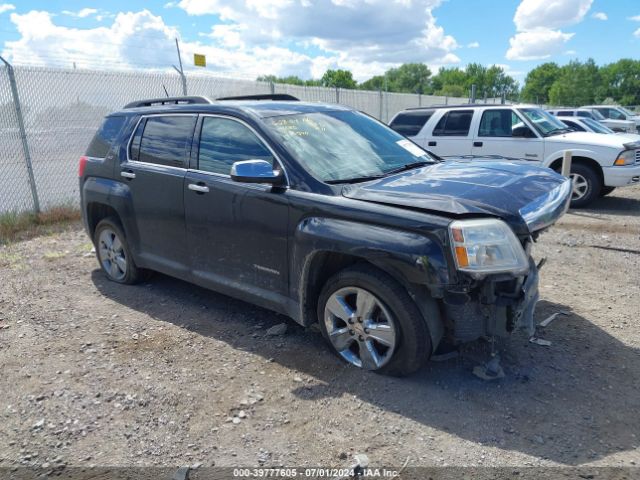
(528, 198)
(588, 138)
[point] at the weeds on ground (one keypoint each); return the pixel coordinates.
(20, 226)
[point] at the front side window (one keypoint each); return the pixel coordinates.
(597, 126)
(166, 140)
(575, 125)
(336, 146)
(409, 124)
(498, 123)
(224, 141)
(454, 123)
(565, 113)
(616, 114)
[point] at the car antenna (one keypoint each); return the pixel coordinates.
(165, 90)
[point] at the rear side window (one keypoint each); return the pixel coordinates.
(565, 113)
(584, 114)
(409, 124)
(166, 140)
(574, 125)
(224, 141)
(105, 136)
(454, 123)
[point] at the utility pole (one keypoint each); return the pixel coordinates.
(180, 70)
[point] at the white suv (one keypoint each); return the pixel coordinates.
(617, 125)
(616, 112)
(526, 133)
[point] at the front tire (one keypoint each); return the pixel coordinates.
(114, 254)
(604, 191)
(370, 321)
(586, 185)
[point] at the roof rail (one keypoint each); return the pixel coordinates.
(168, 101)
(268, 96)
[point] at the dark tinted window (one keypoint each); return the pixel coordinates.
(565, 114)
(454, 123)
(574, 125)
(410, 123)
(134, 147)
(166, 140)
(498, 123)
(224, 141)
(104, 137)
(583, 114)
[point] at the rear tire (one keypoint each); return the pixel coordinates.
(586, 185)
(114, 254)
(604, 191)
(374, 314)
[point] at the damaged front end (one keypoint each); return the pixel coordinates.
(497, 289)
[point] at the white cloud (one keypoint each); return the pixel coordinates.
(6, 7)
(570, 52)
(637, 33)
(473, 45)
(635, 18)
(537, 44)
(538, 22)
(256, 38)
(600, 16)
(550, 14)
(365, 31)
(84, 13)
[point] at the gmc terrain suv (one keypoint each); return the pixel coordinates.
(323, 214)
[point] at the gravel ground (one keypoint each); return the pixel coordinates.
(167, 373)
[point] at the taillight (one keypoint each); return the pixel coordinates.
(81, 165)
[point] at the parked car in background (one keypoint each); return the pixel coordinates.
(526, 133)
(616, 112)
(323, 214)
(589, 125)
(617, 125)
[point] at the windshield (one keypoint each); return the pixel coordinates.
(627, 112)
(597, 115)
(596, 126)
(544, 122)
(341, 145)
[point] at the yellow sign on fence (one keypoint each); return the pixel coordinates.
(199, 60)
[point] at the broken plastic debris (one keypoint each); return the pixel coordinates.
(540, 341)
(550, 319)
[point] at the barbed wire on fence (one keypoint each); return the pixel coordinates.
(62, 108)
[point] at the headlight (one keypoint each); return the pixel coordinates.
(626, 157)
(485, 246)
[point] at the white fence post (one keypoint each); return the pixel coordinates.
(566, 163)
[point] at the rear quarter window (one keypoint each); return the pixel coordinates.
(105, 136)
(409, 124)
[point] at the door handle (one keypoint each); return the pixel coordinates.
(477, 144)
(198, 188)
(432, 144)
(128, 174)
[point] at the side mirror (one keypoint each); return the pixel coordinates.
(522, 132)
(255, 171)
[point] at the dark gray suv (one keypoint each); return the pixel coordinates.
(323, 214)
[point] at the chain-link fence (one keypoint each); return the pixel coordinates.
(48, 116)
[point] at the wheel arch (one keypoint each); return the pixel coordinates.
(590, 162)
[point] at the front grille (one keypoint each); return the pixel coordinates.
(637, 156)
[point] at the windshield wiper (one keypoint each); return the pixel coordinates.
(403, 168)
(557, 131)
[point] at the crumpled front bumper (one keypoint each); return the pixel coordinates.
(495, 306)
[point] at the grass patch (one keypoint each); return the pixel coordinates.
(20, 226)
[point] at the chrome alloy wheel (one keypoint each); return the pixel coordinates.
(111, 254)
(360, 327)
(580, 186)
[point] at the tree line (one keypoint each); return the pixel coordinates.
(577, 83)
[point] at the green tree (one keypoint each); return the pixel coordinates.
(620, 81)
(576, 85)
(539, 81)
(446, 79)
(338, 78)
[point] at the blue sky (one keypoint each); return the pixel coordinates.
(248, 38)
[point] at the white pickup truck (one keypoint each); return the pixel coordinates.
(528, 133)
